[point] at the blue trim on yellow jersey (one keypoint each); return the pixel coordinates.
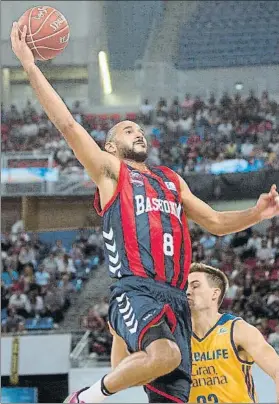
(222, 320)
(233, 344)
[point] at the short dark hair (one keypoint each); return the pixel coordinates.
(215, 277)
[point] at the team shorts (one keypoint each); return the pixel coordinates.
(139, 303)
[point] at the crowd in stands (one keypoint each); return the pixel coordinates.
(39, 280)
(189, 135)
(249, 258)
(192, 135)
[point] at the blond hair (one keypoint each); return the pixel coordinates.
(215, 278)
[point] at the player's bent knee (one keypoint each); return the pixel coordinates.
(164, 356)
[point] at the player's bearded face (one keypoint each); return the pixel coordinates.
(137, 151)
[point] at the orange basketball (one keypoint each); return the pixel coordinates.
(48, 31)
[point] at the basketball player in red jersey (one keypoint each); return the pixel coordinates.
(147, 246)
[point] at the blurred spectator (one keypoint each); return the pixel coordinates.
(65, 264)
(20, 302)
(54, 303)
(67, 289)
(42, 276)
(102, 308)
(14, 322)
(273, 339)
(98, 134)
(265, 253)
(247, 148)
(29, 128)
(146, 110)
(188, 102)
(50, 265)
(225, 128)
(63, 155)
(26, 256)
(58, 248)
(27, 278)
(37, 307)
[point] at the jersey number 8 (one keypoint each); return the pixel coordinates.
(168, 244)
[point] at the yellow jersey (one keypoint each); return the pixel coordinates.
(219, 375)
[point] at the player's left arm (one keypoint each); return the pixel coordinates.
(251, 341)
(221, 223)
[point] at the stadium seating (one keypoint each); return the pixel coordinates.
(128, 30)
(230, 33)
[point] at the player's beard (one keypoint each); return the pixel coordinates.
(130, 154)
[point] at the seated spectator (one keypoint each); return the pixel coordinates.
(188, 103)
(185, 123)
(98, 134)
(58, 248)
(20, 302)
(153, 156)
(65, 264)
(146, 110)
(50, 265)
(29, 111)
(175, 109)
(255, 242)
(26, 256)
(63, 156)
(273, 339)
(231, 150)
(37, 307)
(14, 322)
(5, 296)
(225, 128)
(67, 289)
(27, 278)
(265, 253)
(273, 297)
(13, 115)
(208, 241)
(9, 276)
(76, 252)
(102, 308)
(29, 129)
(54, 303)
(42, 277)
(93, 321)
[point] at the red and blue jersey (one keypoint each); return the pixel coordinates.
(145, 228)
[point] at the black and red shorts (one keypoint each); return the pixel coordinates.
(137, 304)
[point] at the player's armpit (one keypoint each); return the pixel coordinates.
(251, 340)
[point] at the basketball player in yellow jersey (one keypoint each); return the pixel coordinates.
(224, 347)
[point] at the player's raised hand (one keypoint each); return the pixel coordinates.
(19, 46)
(268, 204)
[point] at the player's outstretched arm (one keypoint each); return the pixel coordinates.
(97, 162)
(251, 340)
(221, 223)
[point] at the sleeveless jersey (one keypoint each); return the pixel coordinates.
(219, 375)
(145, 228)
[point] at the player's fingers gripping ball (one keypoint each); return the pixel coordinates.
(48, 31)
